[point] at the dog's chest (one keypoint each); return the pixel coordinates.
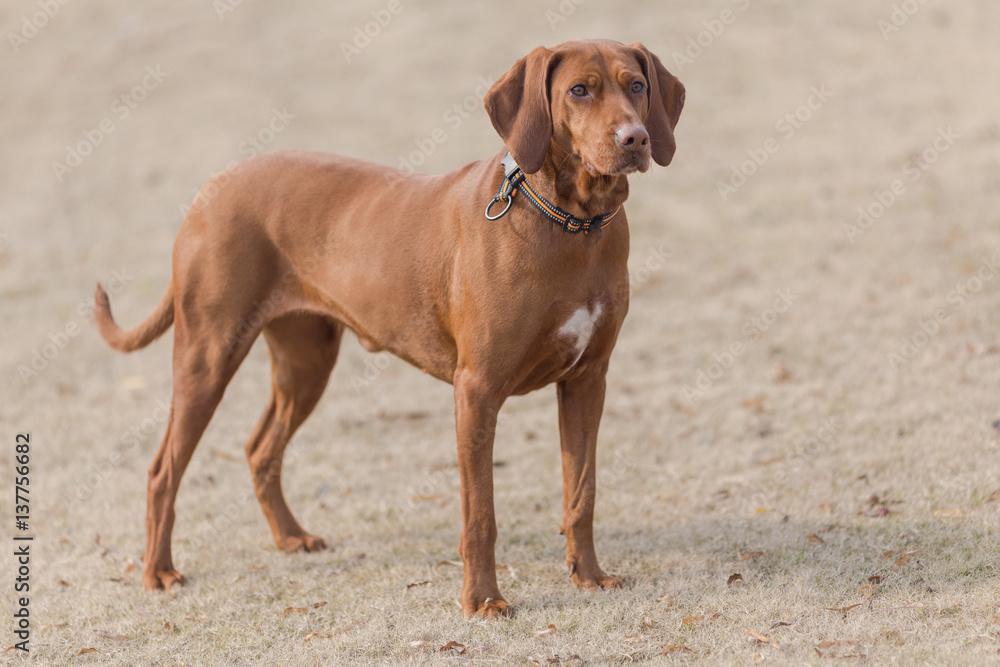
(575, 334)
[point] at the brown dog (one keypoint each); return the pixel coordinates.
(301, 246)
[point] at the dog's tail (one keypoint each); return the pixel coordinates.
(141, 336)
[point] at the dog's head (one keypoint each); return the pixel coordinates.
(614, 106)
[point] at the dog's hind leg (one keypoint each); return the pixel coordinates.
(203, 366)
(303, 351)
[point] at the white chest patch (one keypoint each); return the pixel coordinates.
(580, 327)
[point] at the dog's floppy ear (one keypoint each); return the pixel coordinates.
(666, 99)
(518, 106)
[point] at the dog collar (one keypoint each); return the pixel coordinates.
(514, 181)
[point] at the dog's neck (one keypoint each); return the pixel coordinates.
(566, 182)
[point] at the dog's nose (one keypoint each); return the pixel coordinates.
(632, 136)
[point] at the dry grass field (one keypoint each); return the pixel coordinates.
(802, 395)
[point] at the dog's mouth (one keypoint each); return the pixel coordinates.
(622, 166)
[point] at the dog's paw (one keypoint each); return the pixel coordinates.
(599, 582)
(307, 542)
(490, 609)
(162, 579)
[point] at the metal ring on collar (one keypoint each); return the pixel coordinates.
(499, 198)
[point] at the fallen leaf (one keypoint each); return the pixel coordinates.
(715, 617)
(634, 638)
(779, 624)
(900, 562)
(667, 649)
(756, 402)
(551, 630)
(201, 617)
(875, 580)
(667, 596)
(759, 637)
(826, 507)
(843, 608)
(417, 583)
(294, 610)
(880, 511)
(554, 660)
(427, 498)
(167, 625)
(911, 605)
(65, 584)
(781, 373)
(733, 578)
(893, 552)
(348, 628)
(648, 622)
(452, 646)
(772, 460)
(134, 382)
(226, 456)
(952, 512)
(316, 635)
(87, 650)
(812, 537)
(108, 635)
(869, 591)
(53, 625)
(317, 605)
(130, 566)
(455, 563)
(994, 497)
(748, 556)
(692, 619)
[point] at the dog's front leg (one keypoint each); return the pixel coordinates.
(581, 402)
(476, 409)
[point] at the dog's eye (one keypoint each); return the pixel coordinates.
(638, 87)
(579, 90)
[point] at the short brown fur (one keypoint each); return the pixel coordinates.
(300, 246)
